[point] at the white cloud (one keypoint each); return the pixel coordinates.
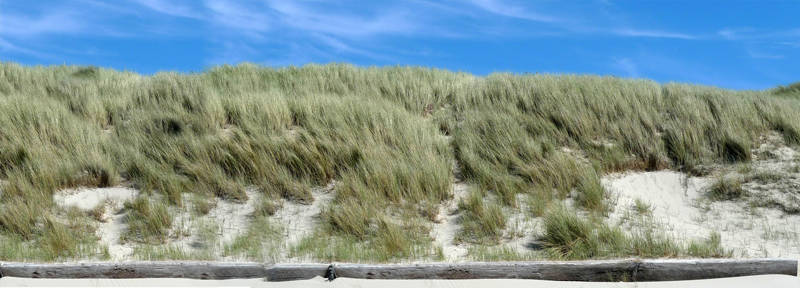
(736, 33)
(513, 11)
(340, 46)
(727, 34)
(627, 66)
(343, 25)
(51, 22)
(247, 20)
(170, 8)
(575, 23)
(762, 55)
(630, 32)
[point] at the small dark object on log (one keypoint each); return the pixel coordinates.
(331, 273)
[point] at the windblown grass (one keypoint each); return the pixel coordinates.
(387, 136)
(482, 221)
(568, 236)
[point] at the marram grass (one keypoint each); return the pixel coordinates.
(387, 136)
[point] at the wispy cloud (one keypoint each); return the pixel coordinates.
(748, 33)
(248, 20)
(170, 8)
(735, 33)
(569, 26)
(763, 45)
(342, 24)
(341, 46)
(762, 55)
(8, 46)
(630, 32)
(514, 11)
(50, 22)
(627, 66)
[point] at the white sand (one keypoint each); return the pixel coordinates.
(771, 281)
(231, 219)
(522, 228)
(88, 198)
(445, 230)
(110, 232)
(677, 204)
(234, 218)
(300, 220)
(113, 224)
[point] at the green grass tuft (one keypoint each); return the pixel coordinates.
(726, 189)
(148, 222)
(482, 221)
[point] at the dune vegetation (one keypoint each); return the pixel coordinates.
(388, 137)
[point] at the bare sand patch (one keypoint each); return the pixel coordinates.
(110, 233)
(447, 225)
(678, 205)
(300, 220)
(522, 229)
(227, 220)
(113, 226)
(88, 198)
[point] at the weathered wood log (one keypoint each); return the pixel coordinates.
(290, 272)
(575, 271)
(608, 270)
(193, 270)
(613, 270)
(663, 270)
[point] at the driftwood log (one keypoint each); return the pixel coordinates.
(607, 270)
(612, 270)
(193, 270)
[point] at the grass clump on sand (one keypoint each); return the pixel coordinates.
(148, 222)
(385, 241)
(482, 220)
(641, 207)
(261, 242)
(591, 195)
(500, 253)
(726, 189)
(387, 136)
(711, 247)
(568, 236)
(55, 240)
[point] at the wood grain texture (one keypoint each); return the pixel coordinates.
(576, 271)
(661, 270)
(605, 270)
(193, 270)
(290, 272)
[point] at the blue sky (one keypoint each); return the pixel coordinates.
(733, 44)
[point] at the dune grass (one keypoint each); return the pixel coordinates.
(569, 236)
(726, 188)
(387, 136)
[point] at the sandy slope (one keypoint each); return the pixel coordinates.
(678, 207)
(772, 281)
